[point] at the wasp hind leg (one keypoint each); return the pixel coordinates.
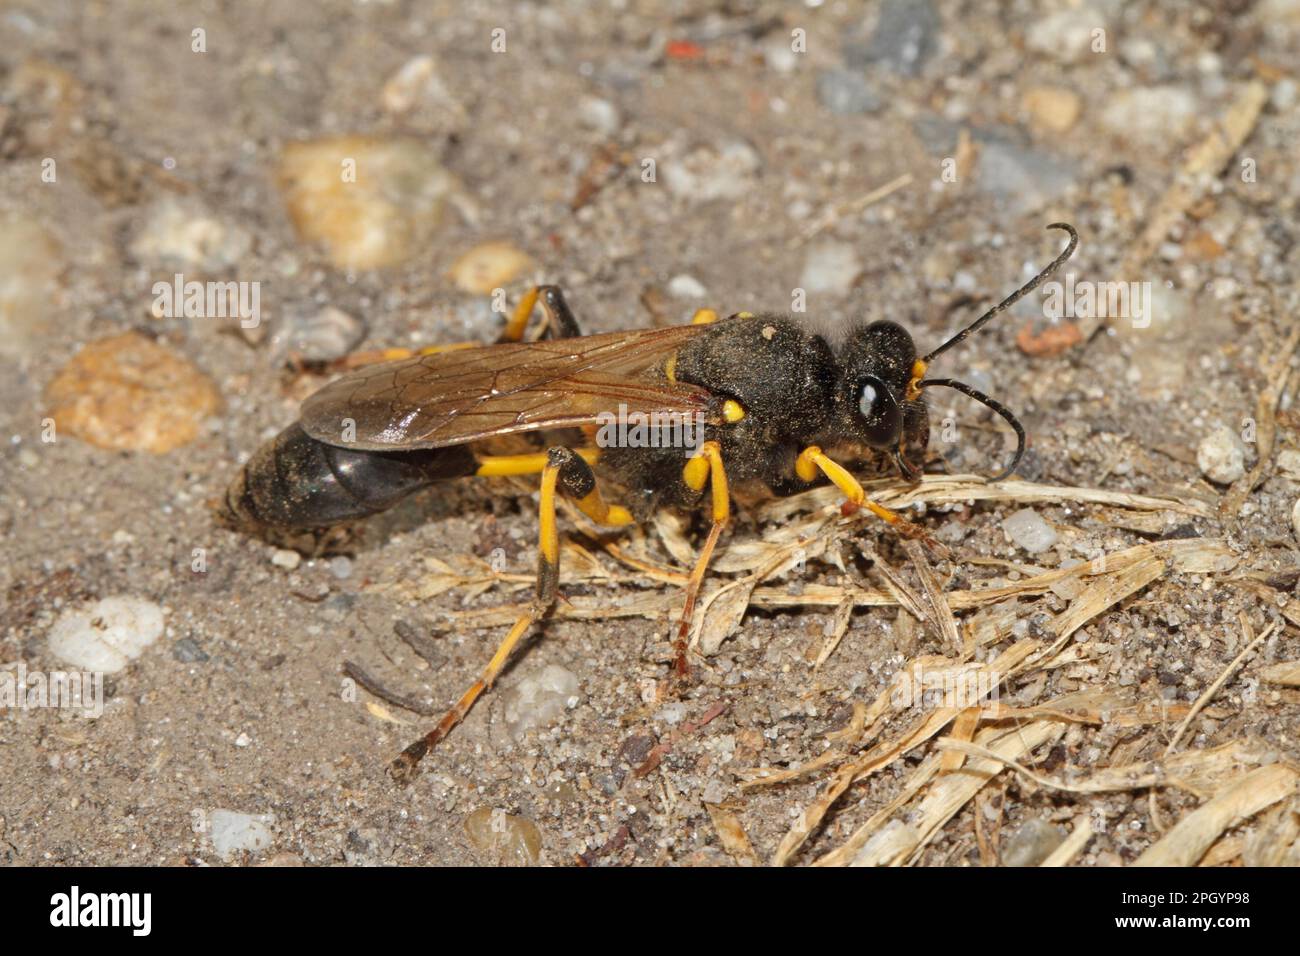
(564, 471)
(558, 323)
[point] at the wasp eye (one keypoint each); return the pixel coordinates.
(867, 404)
(881, 418)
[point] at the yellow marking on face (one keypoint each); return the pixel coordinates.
(744, 315)
(670, 368)
(919, 368)
(704, 317)
(732, 411)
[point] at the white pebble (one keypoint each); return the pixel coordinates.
(686, 287)
(1288, 464)
(540, 700)
(831, 267)
(1027, 529)
(1065, 35)
(600, 115)
(107, 635)
(232, 832)
(284, 558)
(1221, 456)
(672, 714)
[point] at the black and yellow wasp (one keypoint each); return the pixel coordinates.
(780, 407)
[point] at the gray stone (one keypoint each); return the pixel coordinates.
(846, 93)
(905, 38)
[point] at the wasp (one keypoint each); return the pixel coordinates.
(778, 406)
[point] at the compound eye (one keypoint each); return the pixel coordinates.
(881, 416)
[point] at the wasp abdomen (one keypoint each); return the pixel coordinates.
(297, 482)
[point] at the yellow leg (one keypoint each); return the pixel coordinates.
(706, 467)
(812, 459)
(514, 330)
(559, 465)
(375, 356)
(496, 466)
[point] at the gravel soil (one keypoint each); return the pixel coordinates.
(898, 161)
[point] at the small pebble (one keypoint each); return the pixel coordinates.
(1288, 464)
(686, 287)
(1026, 529)
(512, 840)
(1052, 107)
(107, 635)
(1221, 456)
(489, 266)
(600, 115)
(233, 832)
(724, 170)
(845, 92)
(30, 264)
(1031, 843)
(1284, 95)
(371, 202)
(181, 233)
(188, 652)
(1066, 35)
(1023, 178)
(831, 268)
(906, 36)
(539, 700)
(1295, 520)
(341, 567)
(1151, 116)
(672, 714)
(417, 87)
(779, 53)
(319, 334)
(128, 392)
(284, 558)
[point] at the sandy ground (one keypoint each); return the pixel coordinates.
(770, 126)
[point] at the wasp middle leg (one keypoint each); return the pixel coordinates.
(563, 471)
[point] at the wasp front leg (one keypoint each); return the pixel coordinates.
(564, 471)
(812, 460)
(704, 468)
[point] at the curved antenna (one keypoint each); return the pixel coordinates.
(998, 407)
(1015, 297)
